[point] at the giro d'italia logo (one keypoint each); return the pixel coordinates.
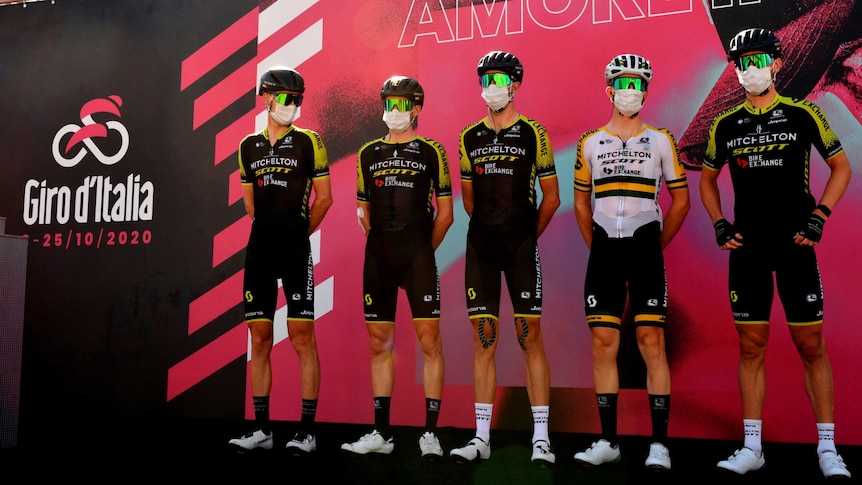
(98, 197)
(67, 146)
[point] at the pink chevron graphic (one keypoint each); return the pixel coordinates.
(215, 302)
(227, 140)
(223, 94)
(220, 48)
(199, 365)
(232, 239)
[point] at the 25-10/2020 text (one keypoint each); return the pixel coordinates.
(95, 239)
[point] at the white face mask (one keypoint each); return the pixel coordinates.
(284, 115)
(628, 101)
(755, 80)
(497, 97)
(397, 121)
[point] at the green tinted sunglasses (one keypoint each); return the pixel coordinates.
(757, 60)
(287, 98)
(498, 78)
(403, 105)
(630, 83)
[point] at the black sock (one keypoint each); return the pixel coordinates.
(659, 406)
(381, 415)
(608, 416)
(432, 412)
(309, 411)
(261, 412)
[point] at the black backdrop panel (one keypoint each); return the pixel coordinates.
(115, 222)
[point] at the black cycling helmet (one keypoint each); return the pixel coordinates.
(404, 87)
(755, 39)
(281, 79)
(502, 61)
(628, 65)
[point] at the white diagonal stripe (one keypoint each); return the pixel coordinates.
(280, 14)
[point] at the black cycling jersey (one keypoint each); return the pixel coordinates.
(503, 167)
(399, 181)
(281, 175)
(768, 153)
(278, 247)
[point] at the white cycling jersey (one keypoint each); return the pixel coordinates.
(626, 177)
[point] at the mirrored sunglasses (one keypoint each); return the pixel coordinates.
(402, 104)
(757, 60)
(498, 78)
(287, 98)
(630, 83)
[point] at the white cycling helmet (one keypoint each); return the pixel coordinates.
(628, 65)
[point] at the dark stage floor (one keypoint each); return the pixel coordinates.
(197, 450)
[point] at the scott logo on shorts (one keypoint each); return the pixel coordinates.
(88, 130)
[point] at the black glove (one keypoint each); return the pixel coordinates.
(724, 231)
(813, 229)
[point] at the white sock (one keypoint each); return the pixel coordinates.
(826, 437)
(752, 428)
(540, 423)
(483, 421)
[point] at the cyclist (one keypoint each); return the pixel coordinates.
(401, 177)
(766, 144)
(279, 168)
(624, 165)
(502, 156)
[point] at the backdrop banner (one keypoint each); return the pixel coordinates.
(121, 123)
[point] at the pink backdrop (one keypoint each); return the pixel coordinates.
(564, 47)
(125, 99)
